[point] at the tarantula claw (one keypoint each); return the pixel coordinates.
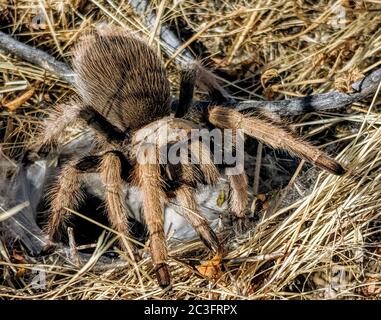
(163, 275)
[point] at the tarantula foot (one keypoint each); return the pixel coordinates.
(162, 275)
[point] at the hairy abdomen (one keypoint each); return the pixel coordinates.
(122, 78)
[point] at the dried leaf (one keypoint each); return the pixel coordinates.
(18, 257)
(259, 203)
(344, 83)
(372, 288)
(212, 268)
(19, 101)
(268, 76)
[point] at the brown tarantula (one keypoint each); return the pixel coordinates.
(124, 91)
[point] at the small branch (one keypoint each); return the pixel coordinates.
(260, 258)
(36, 57)
(289, 107)
(73, 247)
(314, 103)
(318, 102)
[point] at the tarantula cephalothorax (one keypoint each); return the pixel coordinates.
(124, 93)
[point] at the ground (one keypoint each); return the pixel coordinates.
(315, 236)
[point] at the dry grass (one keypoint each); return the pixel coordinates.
(323, 239)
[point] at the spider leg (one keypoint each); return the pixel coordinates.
(190, 175)
(67, 115)
(64, 115)
(187, 83)
(101, 125)
(203, 157)
(67, 193)
(185, 196)
(207, 81)
(186, 176)
(111, 172)
(194, 74)
(273, 135)
(238, 198)
(238, 184)
(151, 186)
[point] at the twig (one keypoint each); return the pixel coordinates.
(36, 57)
(262, 257)
(73, 248)
(291, 107)
(318, 102)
